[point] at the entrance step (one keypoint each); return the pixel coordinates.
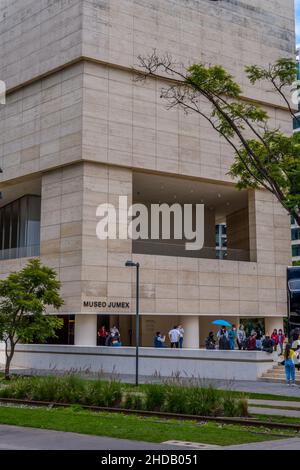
(277, 375)
(277, 381)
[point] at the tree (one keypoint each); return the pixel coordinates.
(24, 297)
(264, 157)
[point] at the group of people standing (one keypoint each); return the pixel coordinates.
(237, 339)
(109, 337)
(176, 335)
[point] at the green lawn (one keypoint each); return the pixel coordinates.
(279, 419)
(131, 427)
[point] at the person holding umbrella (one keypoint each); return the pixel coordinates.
(222, 334)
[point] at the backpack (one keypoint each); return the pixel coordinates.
(223, 343)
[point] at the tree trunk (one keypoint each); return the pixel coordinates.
(9, 355)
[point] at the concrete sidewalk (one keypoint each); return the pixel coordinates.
(279, 408)
(282, 444)
(260, 386)
(23, 438)
(276, 403)
(255, 410)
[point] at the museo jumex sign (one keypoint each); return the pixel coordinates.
(105, 305)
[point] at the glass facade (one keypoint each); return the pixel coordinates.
(296, 250)
(221, 241)
(20, 228)
(296, 124)
(295, 234)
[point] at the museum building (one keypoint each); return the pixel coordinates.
(78, 131)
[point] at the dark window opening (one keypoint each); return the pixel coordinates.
(20, 228)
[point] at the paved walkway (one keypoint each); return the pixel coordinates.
(255, 410)
(282, 444)
(258, 387)
(279, 408)
(19, 438)
(275, 403)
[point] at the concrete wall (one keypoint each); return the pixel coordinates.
(41, 125)
(122, 122)
(85, 264)
(238, 230)
(126, 123)
(213, 288)
(38, 36)
(229, 365)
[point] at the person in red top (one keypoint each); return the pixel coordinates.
(274, 338)
(280, 339)
(252, 342)
(102, 333)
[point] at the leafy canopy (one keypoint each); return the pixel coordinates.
(24, 298)
(264, 156)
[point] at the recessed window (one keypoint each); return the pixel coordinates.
(296, 250)
(295, 234)
(20, 228)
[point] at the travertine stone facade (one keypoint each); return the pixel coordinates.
(56, 32)
(76, 119)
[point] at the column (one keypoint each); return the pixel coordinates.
(85, 330)
(191, 332)
(273, 322)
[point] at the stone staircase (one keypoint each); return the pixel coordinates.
(277, 375)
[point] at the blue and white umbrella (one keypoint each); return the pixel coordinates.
(221, 323)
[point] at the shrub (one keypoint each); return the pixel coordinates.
(242, 407)
(133, 401)
(94, 394)
(205, 401)
(234, 406)
(44, 389)
(112, 393)
(128, 402)
(175, 399)
(68, 389)
(104, 393)
(71, 389)
(17, 388)
(155, 397)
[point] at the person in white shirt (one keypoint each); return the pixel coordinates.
(174, 336)
(181, 334)
(114, 331)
